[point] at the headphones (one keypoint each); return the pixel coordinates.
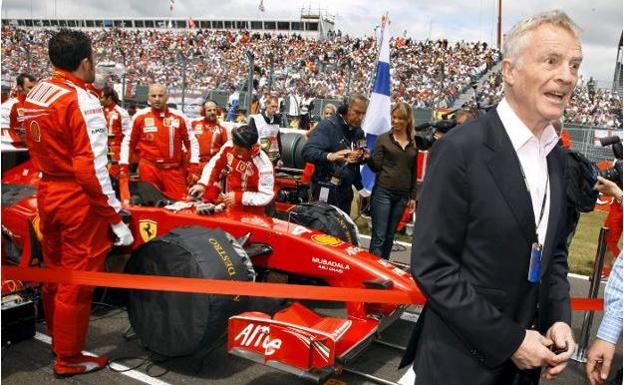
(343, 108)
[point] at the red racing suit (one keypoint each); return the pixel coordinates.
(118, 123)
(251, 179)
(67, 141)
(160, 136)
(11, 117)
(614, 223)
(210, 136)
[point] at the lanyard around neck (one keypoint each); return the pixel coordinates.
(526, 183)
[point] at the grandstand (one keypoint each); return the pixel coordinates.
(310, 25)
(427, 74)
(208, 61)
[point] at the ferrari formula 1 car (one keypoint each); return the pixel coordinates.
(176, 241)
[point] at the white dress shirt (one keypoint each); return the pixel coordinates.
(532, 152)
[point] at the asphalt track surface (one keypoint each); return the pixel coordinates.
(29, 362)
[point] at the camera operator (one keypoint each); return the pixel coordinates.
(428, 133)
(337, 148)
(600, 354)
(614, 218)
(267, 124)
(613, 221)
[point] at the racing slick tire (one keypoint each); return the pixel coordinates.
(327, 219)
(292, 146)
(179, 324)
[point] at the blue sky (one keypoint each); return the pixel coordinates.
(455, 20)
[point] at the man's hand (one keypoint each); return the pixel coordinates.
(609, 188)
(123, 233)
(357, 156)
(411, 205)
(194, 172)
(197, 191)
(338, 155)
(561, 336)
(229, 198)
(599, 358)
(534, 351)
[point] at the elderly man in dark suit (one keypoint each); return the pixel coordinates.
(489, 249)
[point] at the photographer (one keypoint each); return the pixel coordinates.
(267, 124)
(600, 354)
(614, 219)
(426, 137)
(337, 148)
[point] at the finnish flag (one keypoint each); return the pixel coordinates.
(377, 119)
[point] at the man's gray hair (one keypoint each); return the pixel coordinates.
(515, 40)
(357, 97)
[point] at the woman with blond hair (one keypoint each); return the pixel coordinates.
(394, 161)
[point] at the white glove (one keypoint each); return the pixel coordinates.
(205, 208)
(219, 208)
(123, 233)
(197, 191)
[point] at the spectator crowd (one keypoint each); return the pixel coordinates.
(589, 105)
(426, 74)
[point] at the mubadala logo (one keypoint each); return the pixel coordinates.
(325, 264)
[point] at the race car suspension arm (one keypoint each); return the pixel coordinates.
(370, 377)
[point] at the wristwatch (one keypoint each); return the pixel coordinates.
(618, 199)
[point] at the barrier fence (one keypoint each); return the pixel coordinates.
(585, 139)
(258, 289)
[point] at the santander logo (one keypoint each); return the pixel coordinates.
(258, 335)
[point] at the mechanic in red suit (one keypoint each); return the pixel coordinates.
(67, 140)
(118, 123)
(614, 223)
(160, 132)
(210, 136)
(13, 109)
(248, 173)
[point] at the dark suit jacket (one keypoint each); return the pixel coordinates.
(470, 257)
(331, 135)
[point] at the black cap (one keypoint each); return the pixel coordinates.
(245, 136)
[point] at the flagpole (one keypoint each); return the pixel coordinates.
(377, 119)
(378, 46)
